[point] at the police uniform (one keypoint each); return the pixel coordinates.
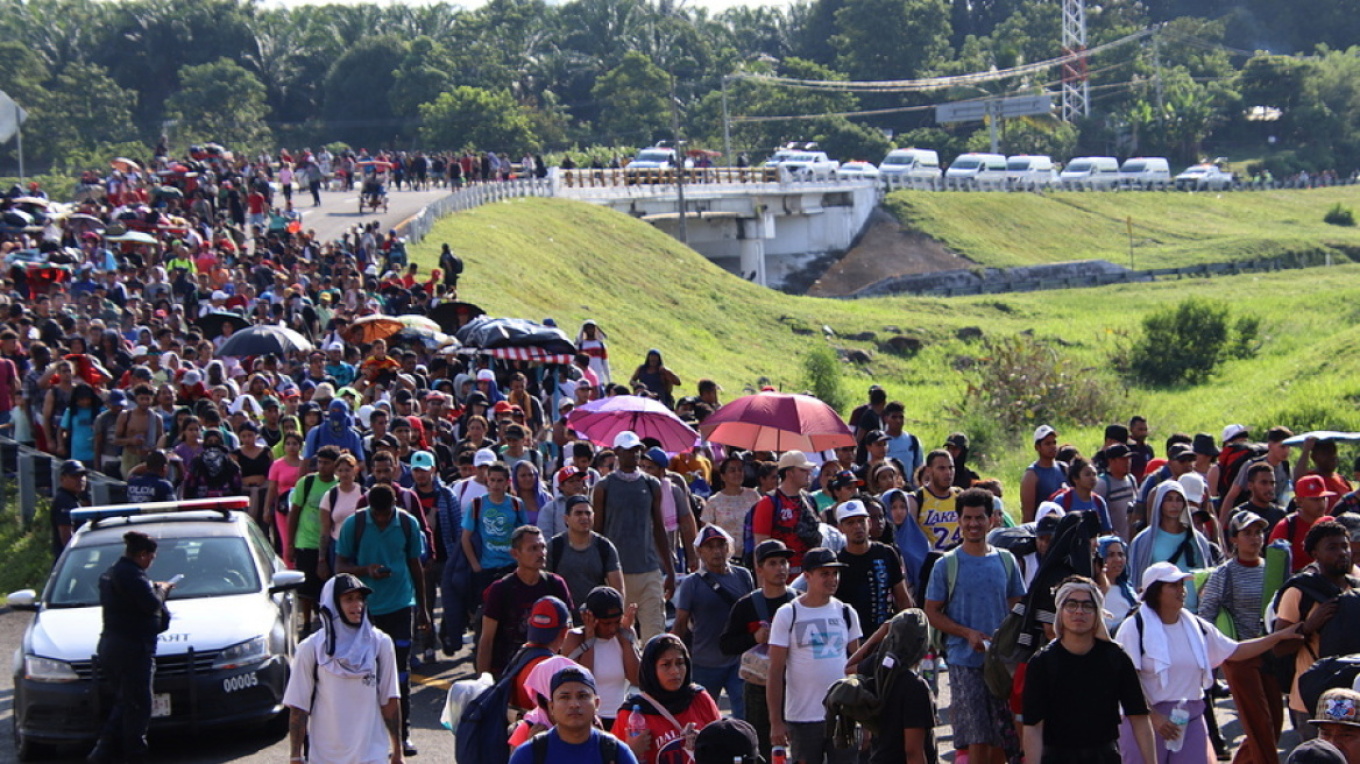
(134, 613)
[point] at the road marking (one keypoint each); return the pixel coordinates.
(427, 681)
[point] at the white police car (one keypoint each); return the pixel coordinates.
(223, 661)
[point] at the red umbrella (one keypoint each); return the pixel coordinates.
(777, 422)
(603, 419)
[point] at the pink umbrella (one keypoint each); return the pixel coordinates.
(603, 419)
(778, 422)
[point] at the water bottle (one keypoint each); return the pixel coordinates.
(928, 671)
(636, 724)
(1180, 716)
(779, 755)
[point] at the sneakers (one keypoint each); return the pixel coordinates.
(429, 656)
(408, 746)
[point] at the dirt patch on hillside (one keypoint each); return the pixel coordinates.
(885, 250)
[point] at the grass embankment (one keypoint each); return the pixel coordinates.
(1169, 229)
(538, 258)
(27, 551)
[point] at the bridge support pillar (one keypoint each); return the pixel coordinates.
(751, 232)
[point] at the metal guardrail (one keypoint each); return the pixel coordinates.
(34, 473)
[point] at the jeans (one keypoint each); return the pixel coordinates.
(717, 679)
(758, 714)
(810, 743)
(128, 665)
(458, 601)
(398, 626)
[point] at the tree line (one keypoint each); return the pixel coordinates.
(1253, 78)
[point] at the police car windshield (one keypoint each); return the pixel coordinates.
(212, 567)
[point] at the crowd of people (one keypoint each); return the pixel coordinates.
(438, 501)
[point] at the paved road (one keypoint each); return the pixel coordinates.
(339, 210)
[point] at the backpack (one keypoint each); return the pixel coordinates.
(558, 545)
(1328, 673)
(1232, 459)
(800, 529)
(951, 577)
(1314, 589)
(483, 731)
(361, 522)
(858, 699)
(609, 748)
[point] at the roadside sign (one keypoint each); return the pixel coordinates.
(976, 111)
(961, 111)
(11, 117)
(1023, 106)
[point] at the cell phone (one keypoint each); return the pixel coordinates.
(175, 579)
(384, 569)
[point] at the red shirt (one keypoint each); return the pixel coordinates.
(780, 524)
(668, 745)
(1301, 526)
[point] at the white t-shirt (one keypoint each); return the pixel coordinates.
(346, 724)
(817, 640)
(346, 504)
(1183, 680)
(610, 679)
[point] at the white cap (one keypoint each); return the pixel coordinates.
(340, 346)
(191, 377)
(484, 457)
(1164, 572)
(486, 375)
(365, 413)
(1047, 508)
(1043, 431)
(138, 351)
(219, 295)
(795, 459)
(627, 441)
(1234, 431)
(852, 508)
(1195, 486)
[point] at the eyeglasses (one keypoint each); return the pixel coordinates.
(1079, 606)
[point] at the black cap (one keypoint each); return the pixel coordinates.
(573, 501)
(348, 582)
(71, 467)
(1116, 432)
(820, 557)
(1048, 525)
(604, 602)
(1315, 751)
(1180, 451)
(957, 440)
(876, 436)
(724, 740)
(1204, 445)
(1117, 451)
(771, 548)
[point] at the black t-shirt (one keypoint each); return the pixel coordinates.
(1078, 697)
(744, 621)
(62, 503)
(1272, 514)
(909, 705)
(867, 584)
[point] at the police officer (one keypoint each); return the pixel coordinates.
(134, 613)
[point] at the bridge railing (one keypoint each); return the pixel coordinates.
(415, 228)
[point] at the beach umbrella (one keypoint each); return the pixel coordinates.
(777, 422)
(605, 418)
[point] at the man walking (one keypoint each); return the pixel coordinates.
(702, 607)
(788, 514)
(627, 506)
(1044, 476)
(969, 616)
(573, 739)
(582, 557)
(748, 625)
(873, 583)
(934, 506)
(509, 601)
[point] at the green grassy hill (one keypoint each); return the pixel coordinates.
(538, 258)
(1169, 229)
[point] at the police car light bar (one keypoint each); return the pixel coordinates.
(225, 505)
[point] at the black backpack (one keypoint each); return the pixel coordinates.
(609, 748)
(1315, 589)
(483, 733)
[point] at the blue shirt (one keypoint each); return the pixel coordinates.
(562, 752)
(495, 526)
(981, 599)
(392, 546)
(324, 435)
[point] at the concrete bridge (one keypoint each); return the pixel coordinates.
(759, 223)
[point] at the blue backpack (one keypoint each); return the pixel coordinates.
(483, 731)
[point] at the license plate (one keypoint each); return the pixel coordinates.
(160, 705)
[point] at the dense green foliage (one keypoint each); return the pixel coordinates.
(1187, 343)
(616, 72)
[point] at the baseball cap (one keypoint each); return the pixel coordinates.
(795, 459)
(843, 479)
(1204, 445)
(627, 441)
(1195, 487)
(348, 582)
(656, 456)
(1339, 705)
(710, 532)
(852, 508)
(548, 618)
(604, 602)
(1180, 451)
(422, 460)
(1312, 487)
(957, 440)
(1316, 751)
(1234, 431)
(117, 398)
(567, 473)
(579, 674)
(1046, 517)
(820, 557)
(772, 548)
(726, 740)
(502, 407)
(876, 436)
(1117, 451)
(486, 375)
(483, 457)
(1043, 431)
(1243, 520)
(71, 467)
(572, 501)
(1163, 572)
(338, 346)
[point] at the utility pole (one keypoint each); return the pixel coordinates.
(1157, 73)
(727, 123)
(1076, 89)
(679, 161)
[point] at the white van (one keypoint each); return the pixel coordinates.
(1145, 173)
(1101, 173)
(910, 167)
(1030, 171)
(975, 170)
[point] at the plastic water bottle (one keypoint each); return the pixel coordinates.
(1180, 716)
(636, 724)
(928, 671)
(779, 755)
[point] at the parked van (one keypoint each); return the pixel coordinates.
(1091, 173)
(1030, 171)
(910, 167)
(1145, 173)
(975, 170)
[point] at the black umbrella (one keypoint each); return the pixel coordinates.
(491, 333)
(261, 340)
(211, 323)
(452, 316)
